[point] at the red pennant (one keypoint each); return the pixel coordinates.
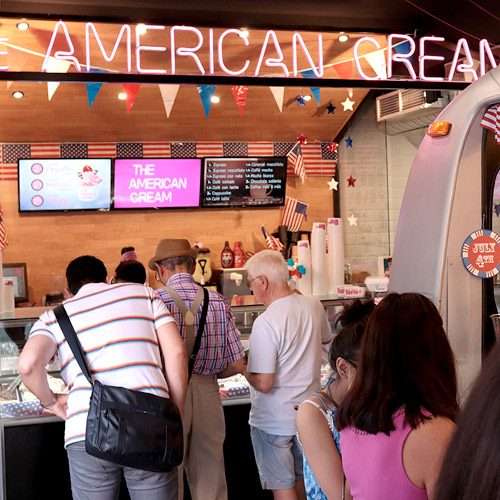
(344, 70)
(131, 89)
(240, 96)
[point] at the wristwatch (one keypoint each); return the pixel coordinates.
(51, 404)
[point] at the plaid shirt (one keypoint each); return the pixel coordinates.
(220, 343)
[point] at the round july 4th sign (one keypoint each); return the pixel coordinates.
(481, 253)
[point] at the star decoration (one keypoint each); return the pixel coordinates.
(353, 221)
(348, 104)
(300, 100)
(497, 209)
(331, 109)
(333, 184)
(348, 142)
(332, 147)
(351, 181)
(302, 139)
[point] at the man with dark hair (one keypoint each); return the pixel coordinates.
(124, 330)
(220, 355)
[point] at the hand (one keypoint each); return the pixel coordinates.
(61, 407)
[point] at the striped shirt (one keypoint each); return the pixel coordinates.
(116, 326)
(220, 343)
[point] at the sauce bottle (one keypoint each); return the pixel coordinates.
(227, 256)
(239, 257)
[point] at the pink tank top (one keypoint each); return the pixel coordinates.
(373, 463)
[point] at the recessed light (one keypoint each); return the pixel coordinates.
(307, 97)
(244, 33)
(215, 99)
(140, 29)
(343, 37)
(17, 94)
(122, 96)
(22, 25)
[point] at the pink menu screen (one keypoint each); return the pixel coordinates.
(157, 183)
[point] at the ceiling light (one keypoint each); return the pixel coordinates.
(343, 37)
(22, 25)
(17, 94)
(307, 97)
(122, 96)
(140, 29)
(215, 99)
(244, 33)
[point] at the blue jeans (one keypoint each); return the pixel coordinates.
(95, 479)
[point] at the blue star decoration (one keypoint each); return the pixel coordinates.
(331, 109)
(300, 101)
(348, 142)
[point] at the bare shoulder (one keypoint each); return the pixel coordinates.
(434, 429)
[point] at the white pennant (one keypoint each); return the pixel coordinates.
(56, 66)
(278, 93)
(376, 60)
(168, 94)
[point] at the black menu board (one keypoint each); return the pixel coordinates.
(244, 182)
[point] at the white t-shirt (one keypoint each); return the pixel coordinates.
(286, 340)
(116, 326)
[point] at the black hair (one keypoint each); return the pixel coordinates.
(127, 249)
(130, 271)
(85, 269)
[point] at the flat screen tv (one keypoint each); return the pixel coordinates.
(49, 184)
(157, 183)
(244, 182)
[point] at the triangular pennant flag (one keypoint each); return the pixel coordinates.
(56, 66)
(206, 93)
(309, 73)
(315, 92)
(376, 60)
(16, 60)
(344, 69)
(131, 89)
(240, 96)
(278, 93)
(168, 94)
(94, 87)
(404, 48)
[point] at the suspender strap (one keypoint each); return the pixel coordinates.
(72, 340)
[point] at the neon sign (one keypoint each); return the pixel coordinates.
(270, 53)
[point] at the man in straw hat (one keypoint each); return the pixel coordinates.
(220, 354)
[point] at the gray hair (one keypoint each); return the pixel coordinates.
(268, 263)
(173, 262)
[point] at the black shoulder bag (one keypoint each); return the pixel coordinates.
(131, 428)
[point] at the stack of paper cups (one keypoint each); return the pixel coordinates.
(318, 259)
(335, 254)
(304, 284)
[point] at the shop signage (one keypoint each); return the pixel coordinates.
(270, 53)
(481, 253)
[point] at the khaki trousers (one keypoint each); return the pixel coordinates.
(204, 434)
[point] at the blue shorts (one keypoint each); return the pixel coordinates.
(278, 458)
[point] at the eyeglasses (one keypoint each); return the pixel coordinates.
(249, 282)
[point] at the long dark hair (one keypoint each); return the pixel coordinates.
(471, 467)
(405, 361)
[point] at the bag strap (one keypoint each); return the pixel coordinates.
(72, 339)
(201, 328)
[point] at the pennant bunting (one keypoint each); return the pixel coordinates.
(56, 66)
(94, 87)
(404, 48)
(315, 92)
(3, 232)
(294, 214)
(278, 94)
(131, 89)
(376, 60)
(309, 73)
(344, 70)
(240, 96)
(206, 93)
(297, 162)
(168, 94)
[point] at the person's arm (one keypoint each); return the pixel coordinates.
(176, 368)
(424, 450)
(320, 450)
(263, 382)
(233, 368)
(35, 356)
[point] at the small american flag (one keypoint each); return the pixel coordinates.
(294, 213)
(102, 150)
(260, 149)
(208, 149)
(491, 121)
(3, 233)
(74, 150)
(235, 149)
(156, 149)
(272, 243)
(129, 150)
(183, 149)
(45, 150)
(297, 161)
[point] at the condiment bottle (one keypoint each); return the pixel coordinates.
(227, 256)
(239, 257)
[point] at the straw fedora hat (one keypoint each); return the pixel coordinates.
(169, 248)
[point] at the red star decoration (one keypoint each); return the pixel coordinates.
(332, 147)
(302, 139)
(351, 181)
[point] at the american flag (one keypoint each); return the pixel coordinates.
(294, 213)
(272, 243)
(235, 149)
(45, 150)
(129, 150)
(3, 233)
(74, 150)
(183, 149)
(102, 150)
(297, 161)
(209, 149)
(491, 121)
(156, 149)
(260, 149)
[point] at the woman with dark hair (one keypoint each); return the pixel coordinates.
(397, 419)
(471, 467)
(323, 476)
(130, 271)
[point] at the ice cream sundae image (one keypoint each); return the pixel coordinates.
(88, 184)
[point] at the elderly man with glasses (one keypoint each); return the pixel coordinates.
(284, 368)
